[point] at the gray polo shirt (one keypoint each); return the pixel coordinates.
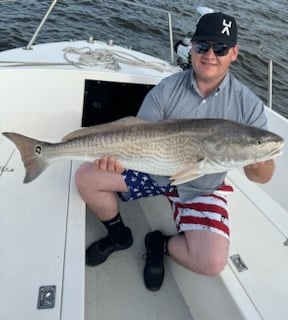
(178, 97)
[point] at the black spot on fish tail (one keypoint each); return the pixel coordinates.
(38, 149)
(31, 154)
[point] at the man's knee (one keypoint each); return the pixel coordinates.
(211, 266)
(207, 253)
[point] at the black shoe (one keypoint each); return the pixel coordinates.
(154, 267)
(100, 250)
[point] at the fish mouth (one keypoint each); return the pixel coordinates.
(276, 152)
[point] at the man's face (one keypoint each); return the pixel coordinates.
(207, 65)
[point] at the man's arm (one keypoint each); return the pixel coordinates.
(260, 172)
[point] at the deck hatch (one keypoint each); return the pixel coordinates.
(106, 101)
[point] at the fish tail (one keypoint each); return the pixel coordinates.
(31, 154)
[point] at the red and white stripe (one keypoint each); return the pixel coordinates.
(206, 212)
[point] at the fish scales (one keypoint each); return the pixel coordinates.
(119, 141)
(181, 149)
(146, 146)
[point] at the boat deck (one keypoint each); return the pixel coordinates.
(115, 289)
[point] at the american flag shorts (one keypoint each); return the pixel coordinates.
(204, 212)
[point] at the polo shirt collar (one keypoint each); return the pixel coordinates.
(222, 85)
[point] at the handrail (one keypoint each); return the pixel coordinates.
(271, 63)
(270, 84)
(169, 13)
(41, 24)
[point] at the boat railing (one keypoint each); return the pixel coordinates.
(270, 84)
(136, 4)
(271, 62)
(50, 9)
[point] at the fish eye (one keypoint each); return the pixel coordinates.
(259, 141)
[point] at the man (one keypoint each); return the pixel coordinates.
(200, 206)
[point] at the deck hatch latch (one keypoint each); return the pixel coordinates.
(46, 297)
(238, 263)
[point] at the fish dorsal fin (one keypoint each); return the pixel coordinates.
(127, 121)
(190, 173)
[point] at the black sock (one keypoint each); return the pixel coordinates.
(117, 231)
(159, 243)
(165, 245)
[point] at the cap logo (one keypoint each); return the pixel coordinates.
(227, 27)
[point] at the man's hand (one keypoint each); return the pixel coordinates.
(260, 172)
(108, 164)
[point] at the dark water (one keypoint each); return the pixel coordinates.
(263, 31)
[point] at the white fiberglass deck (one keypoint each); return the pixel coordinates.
(115, 289)
(41, 242)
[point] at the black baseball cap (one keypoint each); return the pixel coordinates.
(216, 27)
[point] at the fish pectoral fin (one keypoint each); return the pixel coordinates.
(190, 173)
(127, 121)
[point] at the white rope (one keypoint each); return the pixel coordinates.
(88, 57)
(111, 59)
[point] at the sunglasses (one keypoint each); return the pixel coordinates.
(219, 49)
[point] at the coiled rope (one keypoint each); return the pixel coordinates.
(88, 57)
(111, 59)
